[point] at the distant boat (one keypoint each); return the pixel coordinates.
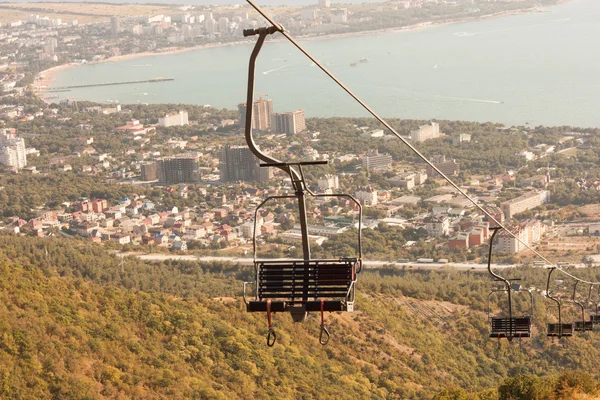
(364, 60)
(435, 66)
(354, 64)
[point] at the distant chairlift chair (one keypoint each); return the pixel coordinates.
(581, 325)
(507, 327)
(297, 286)
(595, 316)
(560, 329)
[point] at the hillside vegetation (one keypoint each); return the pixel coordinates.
(76, 322)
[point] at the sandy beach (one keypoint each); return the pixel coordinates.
(45, 79)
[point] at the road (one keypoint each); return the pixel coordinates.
(367, 264)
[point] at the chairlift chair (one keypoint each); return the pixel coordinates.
(297, 286)
(594, 315)
(560, 329)
(507, 327)
(581, 325)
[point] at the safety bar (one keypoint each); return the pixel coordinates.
(578, 302)
(505, 290)
(496, 229)
(256, 218)
(556, 300)
(352, 198)
(244, 295)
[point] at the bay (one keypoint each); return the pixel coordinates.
(539, 68)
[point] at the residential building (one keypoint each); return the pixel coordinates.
(528, 233)
(149, 171)
(459, 138)
(135, 128)
(366, 196)
(505, 242)
(320, 230)
(458, 241)
(437, 225)
(525, 202)
(405, 180)
(178, 169)
(114, 25)
(426, 132)
(496, 213)
(447, 167)
(374, 161)
(262, 114)
(238, 163)
(12, 151)
(329, 182)
(174, 119)
(476, 237)
(324, 3)
(291, 123)
(339, 16)
(308, 14)
(99, 205)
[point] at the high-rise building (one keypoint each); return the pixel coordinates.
(174, 119)
(263, 110)
(240, 164)
(114, 25)
(149, 171)
(12, 151)
(178, 169)
(262, 114)
(324, 3)
(210, 25)
(223, 25)
(426, 132)
(290, 122)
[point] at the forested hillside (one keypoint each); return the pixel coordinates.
(77, 322)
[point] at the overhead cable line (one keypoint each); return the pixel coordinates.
(278, 27)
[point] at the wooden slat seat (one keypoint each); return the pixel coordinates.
(582, 326)
(516, 327)
(554, 330)
(595, 318)
(291, 283)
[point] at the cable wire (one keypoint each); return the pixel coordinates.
(281, 29)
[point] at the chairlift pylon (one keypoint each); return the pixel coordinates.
(297, 286)
(507, 327)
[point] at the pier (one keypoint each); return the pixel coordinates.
(66, 88)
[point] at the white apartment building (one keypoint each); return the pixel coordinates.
(12, 151)
(527, 233)
(329, 182)
(525, 202)
(174, 119)
(437, 225)
(425, 132)
(366, 196)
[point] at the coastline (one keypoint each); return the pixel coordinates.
(45, 79)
